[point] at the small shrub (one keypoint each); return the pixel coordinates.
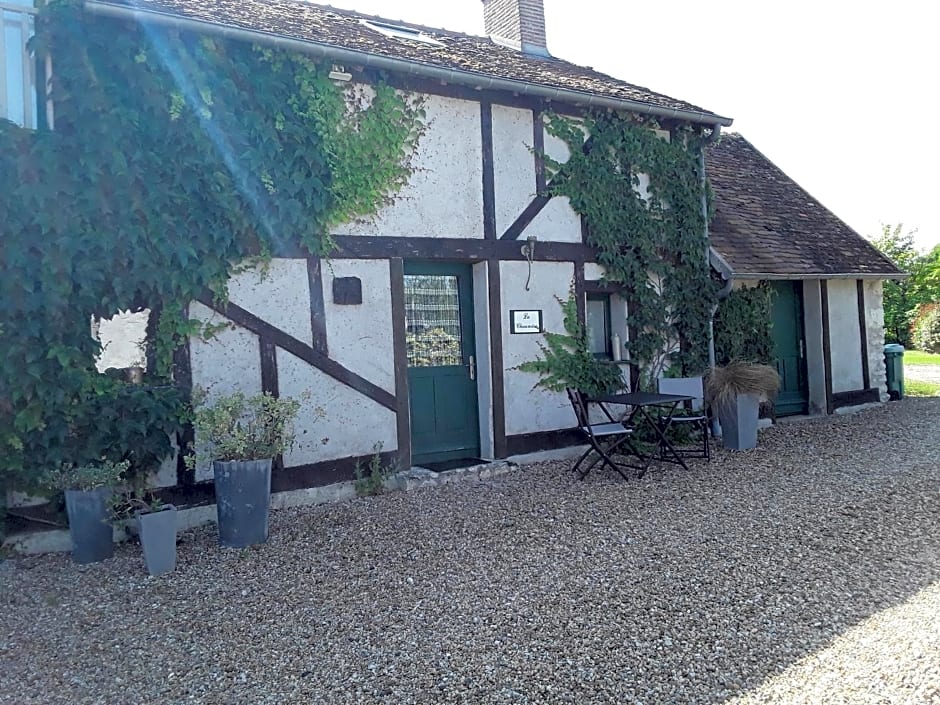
(925, 331)
(239, 427)
(371, 480)
(87, 477)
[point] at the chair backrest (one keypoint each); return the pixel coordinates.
(579, 404)
(687, 386)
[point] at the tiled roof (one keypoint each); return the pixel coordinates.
(764, 223)
(304, 21)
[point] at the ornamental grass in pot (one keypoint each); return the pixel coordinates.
(734, 392)
(88, 490)
(241, 435)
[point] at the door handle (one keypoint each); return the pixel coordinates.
(473, 368)
(802, 355)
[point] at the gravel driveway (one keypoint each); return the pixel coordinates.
(805, 571)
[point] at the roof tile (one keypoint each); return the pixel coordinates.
(765, 223)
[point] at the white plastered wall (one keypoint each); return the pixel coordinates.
(845, 342)
(513, 164)
(529, 409)
(359, 337)
(335, 421)
(443, 197)
(874, 324)
(229, 362)
(277, 293)
(557, 222)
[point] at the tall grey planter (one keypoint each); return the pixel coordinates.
(158, 539)
(242, 497)
(90, 524)
(739, 422)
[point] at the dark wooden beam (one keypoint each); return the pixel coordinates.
(183, 378)
(855, 397)
(827, 343)
(443, 248)
(317, 307)
(593, 286)
(269, 381)
(461, 249)
(399, 344)
(327, 472)
(496, 357)
(489, 171)
(863, 332)
(301, 350)
(523, 443)
(526, 217)
(298, 477)
(538, 150)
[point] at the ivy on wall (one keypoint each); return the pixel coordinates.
(744, 326)
(652, 243)
(174, 158)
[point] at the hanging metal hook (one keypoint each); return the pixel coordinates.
(528, 249)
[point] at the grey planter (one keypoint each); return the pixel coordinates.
(90, 524)
(242, 497)
(739, 422)
(158, 539)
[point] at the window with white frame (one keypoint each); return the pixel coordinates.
(17, 67)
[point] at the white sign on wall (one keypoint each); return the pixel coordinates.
(526, 321)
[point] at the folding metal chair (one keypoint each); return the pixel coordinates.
(695, 415)
(603, 438)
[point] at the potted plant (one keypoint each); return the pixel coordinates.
(735, 392)
(241, 435)
(88, 490)
(156, 527)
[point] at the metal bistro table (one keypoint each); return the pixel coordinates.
(640, 404)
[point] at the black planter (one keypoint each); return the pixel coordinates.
(90, 524)
(242, 497)
(158, 539)
(738, 421)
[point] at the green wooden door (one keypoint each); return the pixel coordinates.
(789, 347)
(441, 364)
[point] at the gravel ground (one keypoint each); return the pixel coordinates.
(804, 571)
(923, 373)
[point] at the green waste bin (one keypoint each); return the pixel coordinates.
(894, 370)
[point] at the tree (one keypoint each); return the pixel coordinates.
(901, 298)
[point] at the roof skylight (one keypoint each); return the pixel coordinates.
(397, 31)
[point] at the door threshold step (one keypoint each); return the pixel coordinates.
(421, 476)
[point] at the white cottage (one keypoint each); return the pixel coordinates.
(408, 337)
(828, 315)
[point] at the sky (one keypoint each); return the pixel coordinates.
(841, 95)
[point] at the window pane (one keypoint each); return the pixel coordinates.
(432, 320)
(597, 326)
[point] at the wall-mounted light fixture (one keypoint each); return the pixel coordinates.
(528, 249)
(339, 73)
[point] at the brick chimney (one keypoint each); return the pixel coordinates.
(517, 23)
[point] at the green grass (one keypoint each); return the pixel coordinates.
(916, 357)
(916, 388)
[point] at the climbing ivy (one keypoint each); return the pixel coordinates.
(174, 158)
(744, 326)
(651, 240)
